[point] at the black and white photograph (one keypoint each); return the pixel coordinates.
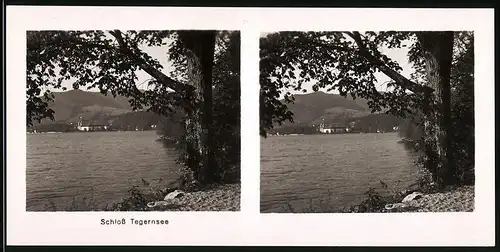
(133, 120)
(367, 121)
(222, 126)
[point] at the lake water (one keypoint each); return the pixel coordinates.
(61, 167)
(301, 171)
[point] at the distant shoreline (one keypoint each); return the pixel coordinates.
(336, 133)
(79, 131)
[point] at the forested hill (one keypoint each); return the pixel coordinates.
(95, 108)
(315, 108)
(71, 105)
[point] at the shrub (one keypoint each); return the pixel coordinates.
(138, 198)
(374, 202)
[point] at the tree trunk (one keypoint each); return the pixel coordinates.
(438, 52)
(199, 47)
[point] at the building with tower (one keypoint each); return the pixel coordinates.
(90, 127)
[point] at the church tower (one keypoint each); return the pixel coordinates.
(322, 126)
(80, 124)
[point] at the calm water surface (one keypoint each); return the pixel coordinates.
(338, 169)
(101, 165)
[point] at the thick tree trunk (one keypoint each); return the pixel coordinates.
(438, 52)
(199, 133)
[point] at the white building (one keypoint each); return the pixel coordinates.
(90, 127)
(332, 129)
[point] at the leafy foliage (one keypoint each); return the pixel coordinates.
(463, 110)
(227, 107)
(139, 196)
(108, 61)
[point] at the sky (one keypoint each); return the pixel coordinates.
(399, 55)
(160, 53)
(157, 52)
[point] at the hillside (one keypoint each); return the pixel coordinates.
(140, 120)
(312, 108)
(95, 108)
(71, 105)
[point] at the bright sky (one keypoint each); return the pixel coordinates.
(399, 55)
(157, 52)
(160, 53)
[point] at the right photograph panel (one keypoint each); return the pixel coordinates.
(367, 121)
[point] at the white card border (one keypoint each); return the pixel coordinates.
(248, 227)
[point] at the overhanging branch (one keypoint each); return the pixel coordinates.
(164, 79)
(397, 77)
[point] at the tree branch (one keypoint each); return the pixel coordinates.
(400, 79)
(167, 81)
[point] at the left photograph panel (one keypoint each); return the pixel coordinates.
(121, 120)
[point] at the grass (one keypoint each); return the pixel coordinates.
(374, 202)
(138, 198)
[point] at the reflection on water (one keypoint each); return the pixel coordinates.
(339, 168)
(101, 165)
